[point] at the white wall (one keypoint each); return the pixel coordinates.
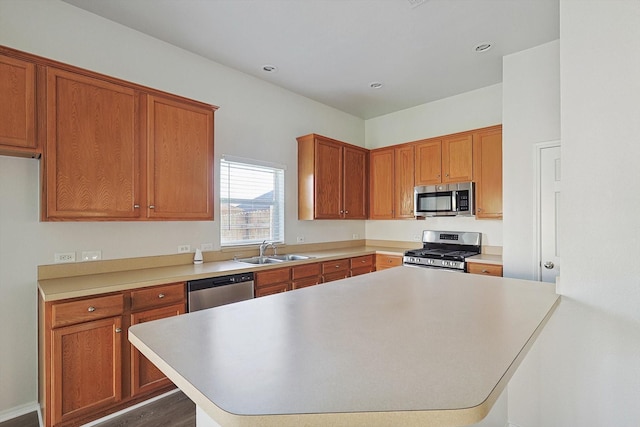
(255, 120)
(470, 110)
(585, 368)
(531, 112)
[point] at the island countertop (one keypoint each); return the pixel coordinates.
(404, 346)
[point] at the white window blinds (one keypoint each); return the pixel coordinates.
(251, 203)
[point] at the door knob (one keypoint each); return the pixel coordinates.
(549, 265)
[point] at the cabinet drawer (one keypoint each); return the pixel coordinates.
(305, 282)
(269, 277)
(307, 270)
(334, 266)
(69, 313)
(486, 269)
(157, 296)
(277, 288)
(361, 270)
(336, 275)
(361, 261)
(383, 261)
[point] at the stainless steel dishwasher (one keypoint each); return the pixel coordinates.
(216, 291)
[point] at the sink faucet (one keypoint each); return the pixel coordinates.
(265, 245)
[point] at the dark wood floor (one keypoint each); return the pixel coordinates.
(175, 410)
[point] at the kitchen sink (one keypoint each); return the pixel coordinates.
(290, 257)
(273, 259)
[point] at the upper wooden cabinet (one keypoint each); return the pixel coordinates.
(18, 134)
(179, 159)
(391, 182)
(117, 153)
(332, 179)
(487, 155)
(92, 156)
(444, 160)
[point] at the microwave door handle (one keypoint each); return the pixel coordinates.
(454, 201)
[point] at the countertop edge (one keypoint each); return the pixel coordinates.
(432, 418)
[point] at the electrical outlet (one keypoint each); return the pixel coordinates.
(206, 247)
(91, 255)
(416, 238)
(183, 249)
(355, 236)
(61, 257)
(300, 239)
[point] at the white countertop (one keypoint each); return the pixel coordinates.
(404, 346)
(95, 284)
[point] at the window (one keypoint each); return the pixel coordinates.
(251, 202)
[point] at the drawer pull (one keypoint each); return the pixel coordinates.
(389, 261)
(118, 330)
(161, 296)
(91, 309)
(485, 271)
(338, 266)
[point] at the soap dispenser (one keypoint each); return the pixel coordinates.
(197, 258)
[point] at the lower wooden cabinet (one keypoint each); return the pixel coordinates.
(305, 275)
(87, 366)
(145, 377)
(87, 369)
(387, 261)
(362, 265)
(335, 270)
(486, 269)
(271, 282)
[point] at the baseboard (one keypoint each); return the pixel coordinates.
(18, 411)
(130, 408)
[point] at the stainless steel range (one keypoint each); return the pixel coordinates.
(444, 250)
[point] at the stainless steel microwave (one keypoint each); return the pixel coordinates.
(444, 200)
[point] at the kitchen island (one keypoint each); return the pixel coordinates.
(404, 346)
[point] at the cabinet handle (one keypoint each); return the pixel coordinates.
(485, 271)
(346, 212)
(118, 330)
(91, 309)
(136, 206)
(479, 209)
(363, 261)
(152, 207)
(160, 296)
(338, 266)
(447, 175)
(341, 212)
(389, 261)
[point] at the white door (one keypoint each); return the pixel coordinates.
(549, 174)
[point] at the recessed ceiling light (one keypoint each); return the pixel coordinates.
(269, 68)
(482, 47)
(375, 85)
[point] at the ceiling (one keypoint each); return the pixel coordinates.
(332, 50)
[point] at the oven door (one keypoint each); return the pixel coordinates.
(434, 203)
(431, 267)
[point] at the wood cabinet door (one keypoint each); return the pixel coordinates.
(428, 162)
(179, 160)
(145, 377)
(92, 152)
(328, 179)
(404, 179)
(484, 269)
(86, 374)
(355, 198)
(17, 103)
(488, 173)
(387, 261)
(381, 187)
(457, 158)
